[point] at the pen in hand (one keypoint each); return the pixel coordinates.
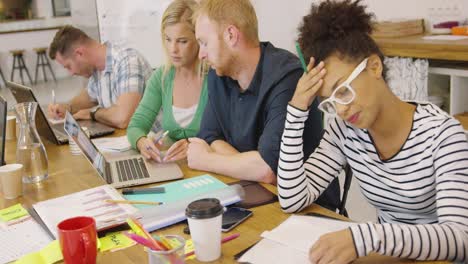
(156, 141)
(160, 137)
(53, 96)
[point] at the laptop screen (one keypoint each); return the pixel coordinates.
(85, 144)
(24, 94)
(3, 116)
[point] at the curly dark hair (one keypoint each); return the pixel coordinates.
(341, 28)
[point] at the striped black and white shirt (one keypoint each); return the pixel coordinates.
(421, 193)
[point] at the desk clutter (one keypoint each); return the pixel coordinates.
(40, 234)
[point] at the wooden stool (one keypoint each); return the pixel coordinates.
(18, 56)
(42, 61)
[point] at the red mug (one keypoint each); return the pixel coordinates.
(77, 238)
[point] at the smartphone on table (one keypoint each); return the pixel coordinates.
(233, 217)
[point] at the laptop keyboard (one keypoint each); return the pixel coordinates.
(131, 169)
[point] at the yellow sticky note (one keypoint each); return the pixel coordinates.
(189, 247)
(31, 258)
(52, 252)
(48, 255)
(115, 241)
(98, 242)
(12, 212)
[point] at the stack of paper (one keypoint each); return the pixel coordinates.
(56, 121)
(112, 144)
(291, 240)
(89, 202)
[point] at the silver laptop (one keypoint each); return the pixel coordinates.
(130, 170)
(54, 132)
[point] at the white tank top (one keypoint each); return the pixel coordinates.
(183, 116)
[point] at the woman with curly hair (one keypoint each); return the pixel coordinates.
(409, 158)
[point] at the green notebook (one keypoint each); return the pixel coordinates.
(180, 190)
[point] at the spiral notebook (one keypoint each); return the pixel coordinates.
(20, 234)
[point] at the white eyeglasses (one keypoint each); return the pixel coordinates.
(344, 94)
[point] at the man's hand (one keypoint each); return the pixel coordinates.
(83, 114)
(197, 152)
(336, 247)
(308, 86)
(57, 111)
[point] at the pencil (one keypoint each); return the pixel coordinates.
(301, 57)
(132, 202)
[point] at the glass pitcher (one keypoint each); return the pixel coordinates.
(29, 149)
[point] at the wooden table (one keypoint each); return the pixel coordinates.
(68, 174)
(416, 47)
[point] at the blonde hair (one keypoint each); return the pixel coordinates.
(239, 13)
(179, 11)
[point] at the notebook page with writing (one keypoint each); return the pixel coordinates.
(20, 239)
(290, 241)
(301, 232)
(271, 252)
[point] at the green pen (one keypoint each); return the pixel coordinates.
(301, 57)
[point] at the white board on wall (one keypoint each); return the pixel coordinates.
(134, 24)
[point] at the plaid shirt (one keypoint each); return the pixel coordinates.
(126, 71)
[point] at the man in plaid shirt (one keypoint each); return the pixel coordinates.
(117, 78)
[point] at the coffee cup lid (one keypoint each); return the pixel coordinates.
(204, 208)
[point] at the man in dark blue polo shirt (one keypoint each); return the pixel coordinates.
(249, 87)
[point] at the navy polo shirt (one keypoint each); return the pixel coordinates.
(253, 120)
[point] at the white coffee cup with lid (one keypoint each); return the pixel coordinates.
(204, 218)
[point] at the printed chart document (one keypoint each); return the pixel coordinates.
(89, 202)
(291, 240)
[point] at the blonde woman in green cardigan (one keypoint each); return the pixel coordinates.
(178, 89)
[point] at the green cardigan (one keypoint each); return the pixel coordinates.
(157, 97)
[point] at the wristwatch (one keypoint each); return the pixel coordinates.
(93, 113)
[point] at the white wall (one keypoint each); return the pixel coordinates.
(84, 17)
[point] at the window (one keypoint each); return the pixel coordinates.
(61, 8)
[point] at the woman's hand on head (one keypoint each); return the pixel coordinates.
(308, 85)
